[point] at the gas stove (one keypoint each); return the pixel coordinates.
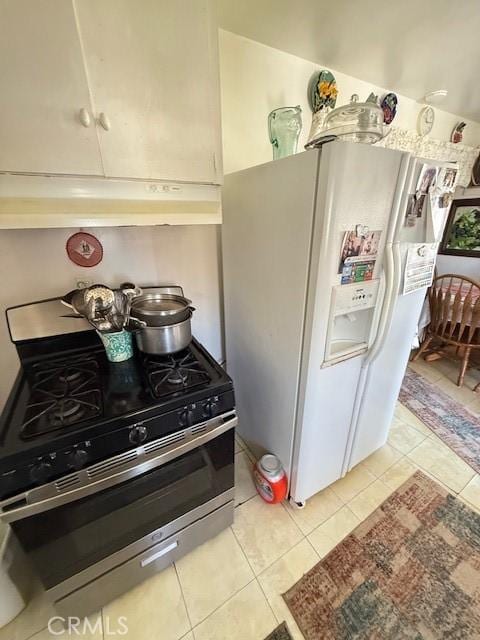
(110, 471)
(71, 408)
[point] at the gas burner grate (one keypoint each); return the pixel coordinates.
(63, 393)
(176, 372)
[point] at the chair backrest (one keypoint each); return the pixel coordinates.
(455, 308)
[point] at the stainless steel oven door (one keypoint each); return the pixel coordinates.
(88, 536)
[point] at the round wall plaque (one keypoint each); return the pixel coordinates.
(84, 249)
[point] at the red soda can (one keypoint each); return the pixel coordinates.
(270, 479)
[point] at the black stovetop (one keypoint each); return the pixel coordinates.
(64, 395)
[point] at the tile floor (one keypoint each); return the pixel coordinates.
(230, 588)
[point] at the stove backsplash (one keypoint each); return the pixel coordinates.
(34, 265)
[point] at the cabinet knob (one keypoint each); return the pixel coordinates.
(84, 117)
(104, 121)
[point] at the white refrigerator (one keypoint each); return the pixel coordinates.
(317, 329)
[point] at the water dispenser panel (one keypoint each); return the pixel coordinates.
(348, 298)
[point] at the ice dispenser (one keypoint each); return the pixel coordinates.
(352, 316)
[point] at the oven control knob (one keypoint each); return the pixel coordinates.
(185, 418)
(41, 471)
(77, 459)
(138, 435)
(210, 409)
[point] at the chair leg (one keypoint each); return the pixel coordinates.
(464, 365)
(423, 347)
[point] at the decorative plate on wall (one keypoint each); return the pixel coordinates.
(389, 107)
(426, 118)
(457, 133)
(323, 91)
(84, 249)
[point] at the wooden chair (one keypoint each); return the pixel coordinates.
(454, 302)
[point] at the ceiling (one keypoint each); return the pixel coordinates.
(410, 46)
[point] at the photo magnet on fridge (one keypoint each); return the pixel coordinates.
(359, 254)
(419, 204)
(447, 179)
(426, 179)
(410, 214)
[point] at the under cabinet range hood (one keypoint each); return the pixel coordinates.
(33, 201)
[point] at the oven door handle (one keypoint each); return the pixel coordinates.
(113, 471)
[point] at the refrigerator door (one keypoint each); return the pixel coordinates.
(359, 186)
(384, 368)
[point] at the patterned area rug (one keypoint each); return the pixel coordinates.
(456, 426)
(280, 633)
(411, 571)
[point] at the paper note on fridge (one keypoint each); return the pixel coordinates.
(419, 266)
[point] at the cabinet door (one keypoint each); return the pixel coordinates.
(152, 69)
(43, 89)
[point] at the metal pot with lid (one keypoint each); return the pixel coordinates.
(161, 309)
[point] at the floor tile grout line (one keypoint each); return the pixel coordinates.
(431, 475)
(409, 424)
(29, 637)
(343, 504)
(435, 438)
(245, 501)
(459, 492)
(276, 559)
(222, 604)
(268, 602)
(183, 598)
(283, 555)
(235, 592)
(290, 515)
(390, 465)
(367, 485)
(243, 550)
(314, 550)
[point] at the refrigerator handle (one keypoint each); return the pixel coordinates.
(392, 278)
(392, 260)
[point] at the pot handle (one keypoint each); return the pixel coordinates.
(131, 328)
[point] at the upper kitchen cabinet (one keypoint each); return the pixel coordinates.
(152, 69)
(46, 121)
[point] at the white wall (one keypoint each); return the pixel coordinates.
(34, 265)
(255, 79)
(457, 264)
